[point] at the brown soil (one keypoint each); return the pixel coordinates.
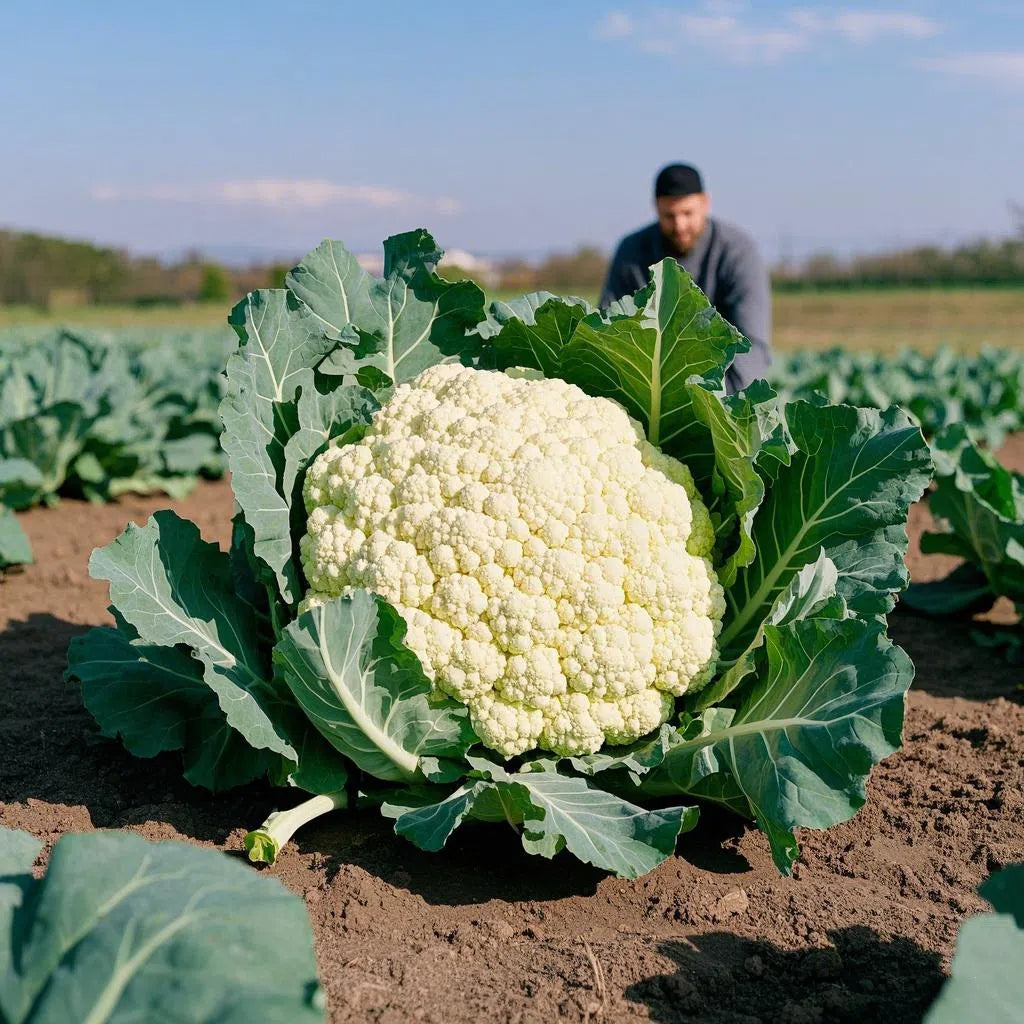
(481, 932)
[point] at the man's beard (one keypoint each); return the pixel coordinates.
(672, 246)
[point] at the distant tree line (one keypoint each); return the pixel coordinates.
(978, 263)
(583, 269)
(981, 263)
(33, 266)
(47, 272)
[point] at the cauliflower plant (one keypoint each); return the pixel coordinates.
(552, 565)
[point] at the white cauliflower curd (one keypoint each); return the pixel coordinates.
(552, 565)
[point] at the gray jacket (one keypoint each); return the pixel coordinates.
(727, 267)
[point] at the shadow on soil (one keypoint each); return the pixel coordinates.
(486, 861)
(724, 979)
(950, 662)
(51, 750)
(481, 861)
(712, 845)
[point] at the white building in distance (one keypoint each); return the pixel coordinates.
(482, 269)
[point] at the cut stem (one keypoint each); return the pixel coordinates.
(264, 843)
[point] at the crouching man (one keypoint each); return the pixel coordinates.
(720, 257)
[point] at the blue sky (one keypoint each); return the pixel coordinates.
(522, 127)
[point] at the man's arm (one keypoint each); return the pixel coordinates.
(629, 270)
(745, 300)
(616, 283)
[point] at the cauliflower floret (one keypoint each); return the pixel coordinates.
(552, 566)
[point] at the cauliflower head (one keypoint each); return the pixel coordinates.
(553, 567)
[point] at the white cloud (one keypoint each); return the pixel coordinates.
(447, 205)
(810, 22)
(267, 192)
(275, 193)
(867, 26)
(614, 25)
(1006, 68)
(717, 29)
(726, 35)
(724, 28)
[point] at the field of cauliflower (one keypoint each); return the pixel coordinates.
(552, 682)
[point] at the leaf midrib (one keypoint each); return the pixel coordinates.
(756, 600)
(188, 627)
(655, 427)
(383, 742)
(768, 725)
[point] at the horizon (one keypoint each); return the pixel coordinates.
(851, 131)
(241, 257)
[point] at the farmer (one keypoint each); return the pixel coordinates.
(721, 258)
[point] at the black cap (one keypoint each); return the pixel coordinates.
(677, 180)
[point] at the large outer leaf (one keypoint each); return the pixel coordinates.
(50, 439)
(735, 428)
(828, 707)
(1005, 891)
(645, 360)
(624, 768)
(19, 481)
(964, 591)
(986, 984)
(155, 699)
(406, 322)
(18, 851)
(175, 588)
(852, 478)
(556, 812)
(533, 330)
(189, 456)
(15, 548)
(365, 691)
(122, 929)
(57, 370)
(695, 769)
(232, 719)
(280, 341)
(428, 823)
(636, 758)
(560, 811)
(981, 505)
(811, 593)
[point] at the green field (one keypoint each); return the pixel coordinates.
(99, 317)
(887, 320)
(883, 320)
